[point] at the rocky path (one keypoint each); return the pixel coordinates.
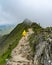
(21, 53)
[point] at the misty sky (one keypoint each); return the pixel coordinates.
(15, 11)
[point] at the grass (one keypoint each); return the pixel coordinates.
(4, 57)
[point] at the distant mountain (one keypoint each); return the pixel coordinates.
(6, 29)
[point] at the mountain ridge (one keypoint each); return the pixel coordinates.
(10, 41)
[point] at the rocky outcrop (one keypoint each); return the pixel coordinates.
(43, 53)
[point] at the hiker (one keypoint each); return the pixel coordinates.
(24, 34)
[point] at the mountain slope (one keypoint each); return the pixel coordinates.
(33, 49)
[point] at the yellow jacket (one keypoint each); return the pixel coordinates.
(24, 33)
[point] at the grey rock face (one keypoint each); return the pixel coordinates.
(43, 54)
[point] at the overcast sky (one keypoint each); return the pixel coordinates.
(15, 11)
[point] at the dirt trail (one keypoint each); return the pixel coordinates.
(21, 53)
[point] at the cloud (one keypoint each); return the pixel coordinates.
(5, 16)
(14, 11)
